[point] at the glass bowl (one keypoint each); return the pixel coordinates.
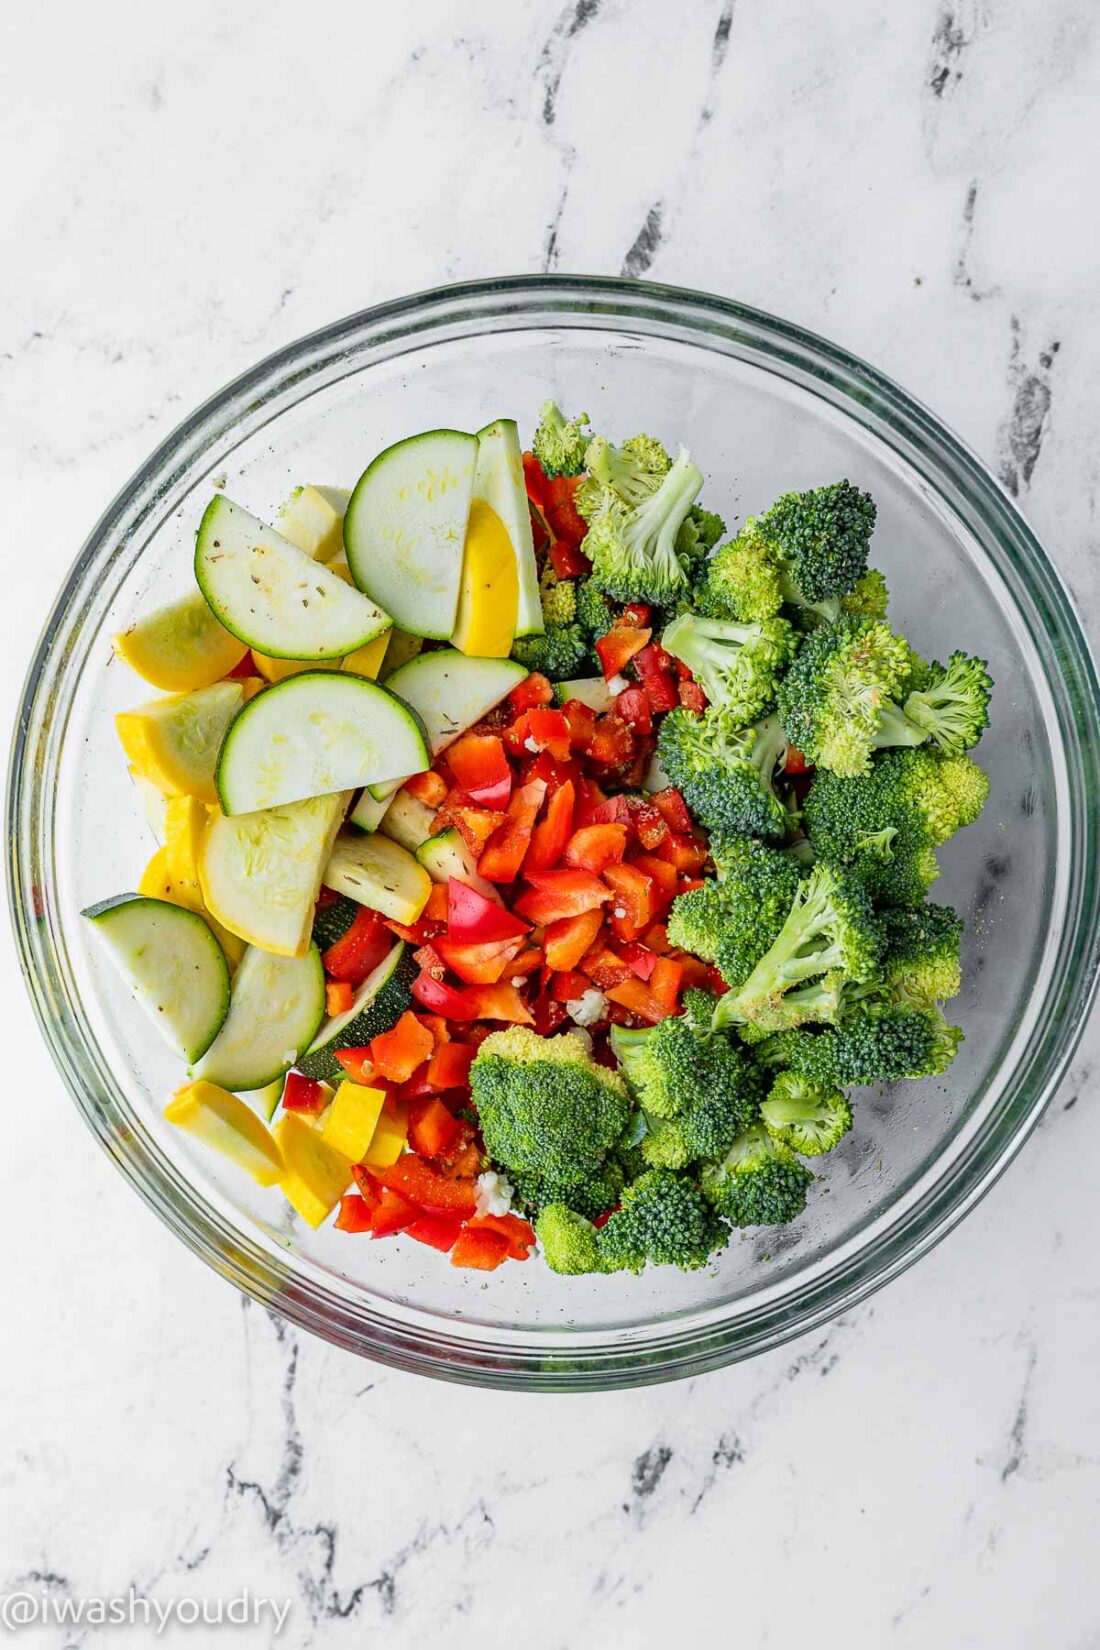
(765, 407)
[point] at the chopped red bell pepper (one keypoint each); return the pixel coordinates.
(695, 974)
(481, 769)
(338, 997)
(619, 645)
(397, 1053)
(478, 964)
(475, 825)
(637, 613)
(638, 958)
(359, 950)
(548, 730)
(326, 897)
(665, 983)
(427, 958)
(551, 834)
(633, 706)
(686, 853)
(516, 1232)
(244, 667)
(692, 697)
(499, 1002)
(675, 810)
(567, 940)
(582, 723)
(610, 810)
(534, 480)
(613, 741)
(357, 1062)
(355, 1215)
(567, 986)
(433, 1130)
(559, 490)
(303, 1094)
(424, 1187)
(553, 773)
(567, 558)
(437, 1231)
(390, 1212)
(474, 919)
(441, 998)
(555, 894)
(796, 762)
(654, 667)
(604, 968)
(449, 1066)
(550, 1015)
(632, 907)
(666, 883)
(527, 962)
(648, 824)
(482, 1251)
(428, 787)
(635, 996)
(594, 846)
(505, 850)
(533, 690)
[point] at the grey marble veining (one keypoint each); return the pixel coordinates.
(193, 188)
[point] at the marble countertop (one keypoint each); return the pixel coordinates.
(198, 185)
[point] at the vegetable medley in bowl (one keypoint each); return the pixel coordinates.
(541, 865)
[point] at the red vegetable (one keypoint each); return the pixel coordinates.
(338, 997)
(424, 1187)
(505, 849)
(632, 704)
(433, 1130)
(481, 769)
(618, 647)
(552, 833)
(567, 939)
(449, 1066)
(397, 1053)
(483, 1251)
(549, 731)
(533, 690)
(438, 1231)
(633, 897)
(356, 1214)
(555, 894)
(441, 998)
(517, 1234)
(472, 918)
(478, 964)
(654, 667)
(613, 741)
(692, 697)
(427, 787)
(566, 556)
(582, 723)
(594, 846)
(498, 1002)
(674, 809)
(303, 1094)
(358, 951)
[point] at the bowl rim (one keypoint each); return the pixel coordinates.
(643, 1354)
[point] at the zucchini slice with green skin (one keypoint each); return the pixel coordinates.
(379, 873)
(405, 528)
(446, 855)
(369, 812)
(407, 820)
(333, 920)
(272, 595)
(315, 733)
(498, 482)
(174, 967)
(260, 873)
(592, 691)
(379, 1003)
(275, 1008)
(450, 691)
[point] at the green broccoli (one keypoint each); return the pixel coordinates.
(632, 549)
(868, 597)
(760, 1182)
(920, 965)
(558, 597)
(837, 700)
(726, 771)
(697, 537)
(549, 1114)
(591, 1197)
(663, 1220)
(830, 929)
(560, 443)
(807, 1116)
(695, 1088)
(885, 824)
(595, 613)
(624, 475)
(738, 666)
(567, 1240)
(809, 550)
(732, 922)
(559, 652)
(872, 1045)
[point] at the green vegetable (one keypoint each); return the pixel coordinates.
(726, 771)
(873, 1045)
(807, 1116)
(921, 961)
(621, 475)
(559, 443)
(664, 1220)
(633, 548)
(760, 1182)
(735, 920)
(737, 665)
(568, 1241)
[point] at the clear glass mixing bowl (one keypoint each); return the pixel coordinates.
(764, 407)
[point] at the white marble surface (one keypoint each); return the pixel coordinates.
(195, 185)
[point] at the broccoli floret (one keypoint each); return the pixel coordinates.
(837, 701)
(873, 1045)
(759, 1183)
(549, 1114)
(737, 665)
(568, 1241)
(633, 549)
(558, 652)
(624, 475)
(868, 598)
(831, 928)
(707, 1126)
(807, 1116)
(560, 443)
(741, 581)
(558, 597)
(697, 920)
(885, 824)
(697, 537)
(663, 1220)
(733, 921)
(695, 1088)
(725, 771)
(921, 962)
(594, 612)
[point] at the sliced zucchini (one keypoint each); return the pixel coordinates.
(407, 820)
(275, 1008)
(592, 691)
(498, 482)
(333, 920)
(379, 1003)
(174, 742)
(153, 803)
(369, 812)
(180, 647)
(172, 963)
(227, 1124)
(313, 734)
(450, 691)
(446, 855)
(260, 873)
(379, 873)
(405, 528)
(272, 595)
(313, 519)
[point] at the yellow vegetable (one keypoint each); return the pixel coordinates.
(313, 519)
(226, 1123)
(152, 802)
(185, 824)
(157, 882)
(175, 741)
(261, 872)
(352, 1119)
(180, 647)
(277, 670)
(488, 598)
(388, 1141)
(367, 661)
(315, 1176)
(156, 879)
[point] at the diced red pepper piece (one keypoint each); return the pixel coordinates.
(326, 897)
(481, 769)
(633, 706)
(338, 997)
(359, 950)
(638, 958)
(357, 1062)
(559, 490)
(441, 998)
(666, 883)
(637, 613)
(589, 798)
(355, 1214)
(437, 1025)
(619, 645)
(567, 940)
(613, 741)
(568, 986)
(437, 1231)
(594, 846)
(582, 723)
(428, 787)
(555, 894)
(433, 1130)
(554, 773)
(517, 1234)
(675, 810)
(796, 761)
(505, 850)
(656, 938)
(390, 1212)
(602, 1219)
(427, 959)
(303, 1094)
(475, 825)
(568, 559)
(612, 810)
(550, 1015)
(648, 824)
(665, 983)
(568, 525)
(533, 690)
(549, 731)
(244, 667)
(686, 853)
(552, 833)
(478, 964)
(692, 697)
(534, 480)
(449, 1066)
(632, 907)
(499, 1002)
(397, 1053)
(694, 973)
(604, 968)
(654, 667)
(482, 1251)
(527, 962)
(474, 919)
(636, 997)
(425, 1188)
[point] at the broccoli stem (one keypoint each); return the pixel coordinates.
(802, 949)
(895, 728)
